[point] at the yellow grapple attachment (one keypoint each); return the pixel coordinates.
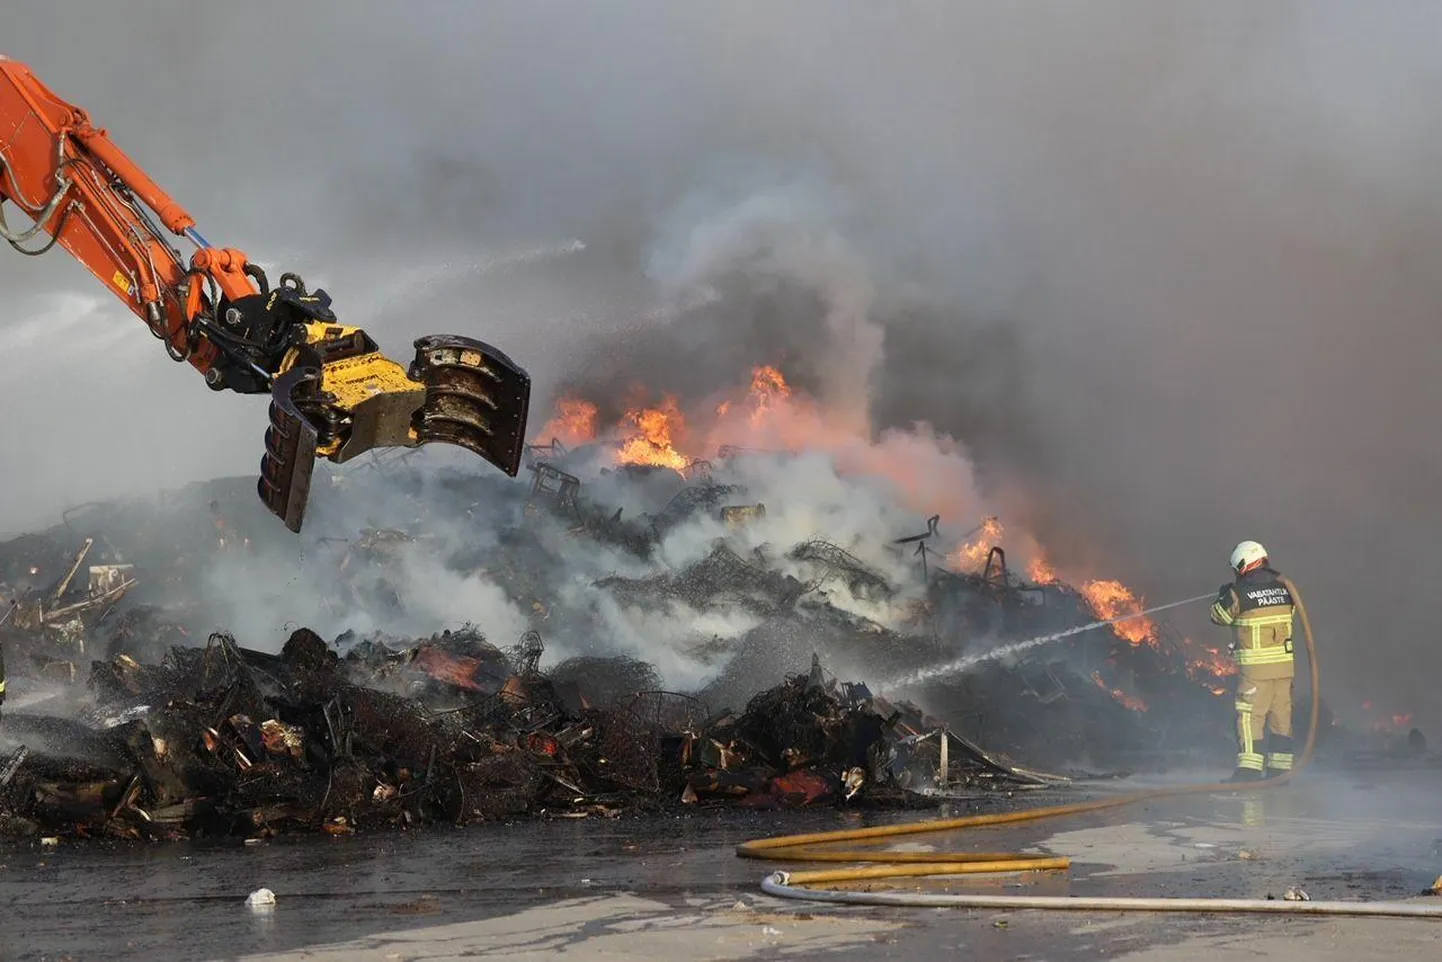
(340, 397)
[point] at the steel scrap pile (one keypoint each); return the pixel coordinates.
(221, 740)
(157, 725)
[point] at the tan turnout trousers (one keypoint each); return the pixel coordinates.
(1264, 718)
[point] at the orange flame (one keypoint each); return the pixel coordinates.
(1130, 702)
(928, 471)
(1210, 661)
(1041, 572)
(1112, 599)
(574, 423)
(650, 440)
(972, 555)
(768, 390)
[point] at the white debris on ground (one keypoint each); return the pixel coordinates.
(260, 898)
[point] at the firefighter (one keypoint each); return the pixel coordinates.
(1258, 608)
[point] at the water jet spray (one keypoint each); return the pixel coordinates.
(961, 665)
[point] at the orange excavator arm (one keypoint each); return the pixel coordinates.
(333, 393)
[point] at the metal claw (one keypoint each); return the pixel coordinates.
(290, 448)
(476, 398)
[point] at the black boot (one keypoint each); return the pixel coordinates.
(1279, 757)
(1246, 759)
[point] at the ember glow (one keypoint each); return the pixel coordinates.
(1206, 664)
(1130, 702)
(1395, 722)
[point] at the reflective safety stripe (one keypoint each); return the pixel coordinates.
(1281, 761)
(1253, 638)
(1244, 707)
(1220, 614)
(1249, 760)
(2, 685)
(1251, 619)
(1278, 655)
(1244, 720)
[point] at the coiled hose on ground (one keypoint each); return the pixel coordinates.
(889, 864)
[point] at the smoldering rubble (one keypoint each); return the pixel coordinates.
(135, 711)
(223, 740)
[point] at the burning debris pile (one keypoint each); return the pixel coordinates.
(168, 735)
(168, 690)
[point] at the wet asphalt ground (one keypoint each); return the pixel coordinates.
(651, 887)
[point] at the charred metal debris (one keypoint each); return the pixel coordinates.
(130, 715)
(221, 740)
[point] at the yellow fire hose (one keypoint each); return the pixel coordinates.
(889, 864)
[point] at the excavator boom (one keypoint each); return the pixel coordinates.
(334, 395)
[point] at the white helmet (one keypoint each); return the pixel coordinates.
(1247, 554)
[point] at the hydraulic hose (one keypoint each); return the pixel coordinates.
(886, 865)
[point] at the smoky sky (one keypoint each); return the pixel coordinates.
(1169, 270)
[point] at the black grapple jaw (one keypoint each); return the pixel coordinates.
(475, 397)
(290, 447)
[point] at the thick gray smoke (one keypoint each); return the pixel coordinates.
(1163, 268)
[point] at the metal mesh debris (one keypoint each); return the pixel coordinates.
(225, 740)
(131, 715)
